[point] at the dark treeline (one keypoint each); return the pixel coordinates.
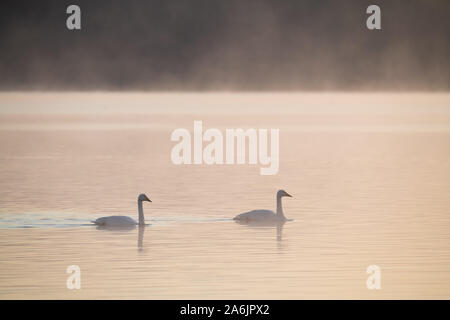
(225, 45)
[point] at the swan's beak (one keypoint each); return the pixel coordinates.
(288, 195)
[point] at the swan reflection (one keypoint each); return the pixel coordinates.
(128, 228)
(265, 224)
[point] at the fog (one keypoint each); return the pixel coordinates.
(225, 45)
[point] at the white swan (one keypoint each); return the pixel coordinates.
(123, 221)
(265, 215)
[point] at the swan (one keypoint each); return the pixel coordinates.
(123, 221)
(265, 215)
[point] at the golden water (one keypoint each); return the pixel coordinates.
(369, 175)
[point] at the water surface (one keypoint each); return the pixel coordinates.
(370, 176)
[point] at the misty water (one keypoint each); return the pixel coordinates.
(369, 175)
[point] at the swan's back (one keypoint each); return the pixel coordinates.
(113, 221)
(257, 215)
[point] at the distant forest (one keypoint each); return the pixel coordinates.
(225, 45)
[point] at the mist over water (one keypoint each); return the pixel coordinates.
(225, 45)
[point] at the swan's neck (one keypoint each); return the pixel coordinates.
(280, 208)
(141, 213)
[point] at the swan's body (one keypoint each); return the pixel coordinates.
(265, 215)
(124, 221)
(258, 215)
(115, 221)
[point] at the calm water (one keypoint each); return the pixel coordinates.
(369, 175)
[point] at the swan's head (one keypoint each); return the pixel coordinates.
(143, 197)
(282, 193)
